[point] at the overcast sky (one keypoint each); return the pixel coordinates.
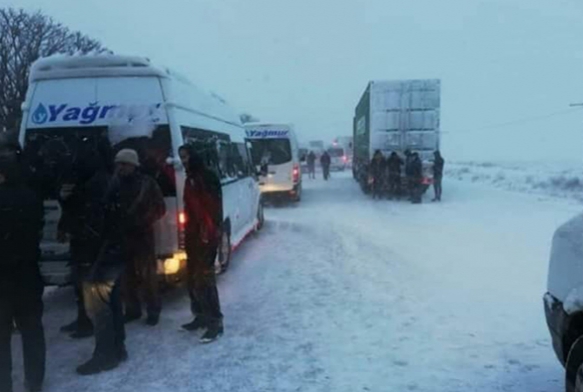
(308, 61)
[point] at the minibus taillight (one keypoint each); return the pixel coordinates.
(181, 224)
(296, 173)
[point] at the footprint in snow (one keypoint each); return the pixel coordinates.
(514, 362)
(401, 363)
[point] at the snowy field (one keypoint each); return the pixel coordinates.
(343, 293)
(556, 180)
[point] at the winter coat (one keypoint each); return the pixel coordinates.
(132, 206)
(416, 168)
(21, 223)
(408, 166)
(377, 168)
(325, 159)
(82, 215)
(311, 159)
(203, 206)
(394, 164)
(438, 167)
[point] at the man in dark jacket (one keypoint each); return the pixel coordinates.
(325, 161)
(203, 207)
(438, 164)
(377, 171)
(312, 165)
(81, 223)
(142, 204)
(21, 286)
(394, 164)
(416, 172)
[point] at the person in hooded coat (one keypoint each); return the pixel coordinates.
(203, 207)
(438, 164)
(21, 285)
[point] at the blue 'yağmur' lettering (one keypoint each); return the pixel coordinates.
(89, 114)
(266, 133)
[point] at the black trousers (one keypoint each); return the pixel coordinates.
(22, 303)
(377, 187)
(394, 184)
(326, 171)
(202, 283)
(104, 307)
(140, 279)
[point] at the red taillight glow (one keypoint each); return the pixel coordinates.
(182, 218)
(345, 158)
(296, 173)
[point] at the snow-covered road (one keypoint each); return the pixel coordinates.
(343, 293)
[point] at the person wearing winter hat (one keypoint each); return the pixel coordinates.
(127, 260)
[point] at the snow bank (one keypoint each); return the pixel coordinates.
(557, 180)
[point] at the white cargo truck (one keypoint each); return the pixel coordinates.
(397, 116)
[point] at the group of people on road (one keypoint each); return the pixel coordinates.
(386, 179)
(108, 217)
(325, 162)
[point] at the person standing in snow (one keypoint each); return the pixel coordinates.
(416, 178)
(377, 169)
(143, 205)
(132, 203)
(438, 164)
(203, 206)
(312, 165)
(394, 164)
(408, 173)
(80, 223)
(21, 285)
(325, 161)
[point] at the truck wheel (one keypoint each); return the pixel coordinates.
(224, 253)
(574, 367)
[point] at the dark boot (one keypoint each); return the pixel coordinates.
(84, 328)
(195, 324)
(213, 332)
(97, 365)
(130, 317)
(153, 319)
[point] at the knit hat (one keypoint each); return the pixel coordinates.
(127, 156)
